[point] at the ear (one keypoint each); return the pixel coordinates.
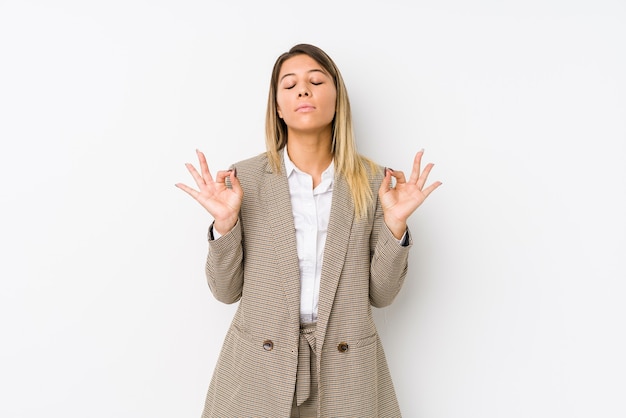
(280, 114)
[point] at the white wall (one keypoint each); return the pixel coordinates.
(515, 302)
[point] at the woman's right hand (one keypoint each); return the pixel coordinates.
(221, 202)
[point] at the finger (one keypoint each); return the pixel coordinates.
(399, 176)
(220, 177)
(204, 167)
(386, 183)
(196, 176)
(191, 192)
(234, 181)
(417, 161)
(424, 175)
(431, 188)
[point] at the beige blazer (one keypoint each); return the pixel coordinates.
(256, 263)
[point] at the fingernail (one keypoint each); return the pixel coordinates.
(235, 171)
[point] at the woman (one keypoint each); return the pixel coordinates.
(307, 237)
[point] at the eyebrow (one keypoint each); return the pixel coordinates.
(308, 72)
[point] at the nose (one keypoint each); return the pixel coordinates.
(304, 92)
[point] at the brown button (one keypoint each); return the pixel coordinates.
(342, 347)
(268, 345)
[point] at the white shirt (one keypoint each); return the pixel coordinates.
(311, 213)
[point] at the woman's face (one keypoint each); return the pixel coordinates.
(305, 95)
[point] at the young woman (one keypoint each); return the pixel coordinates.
(307, 237)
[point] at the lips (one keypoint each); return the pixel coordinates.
(305, 107)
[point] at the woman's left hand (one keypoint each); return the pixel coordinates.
(400, 201)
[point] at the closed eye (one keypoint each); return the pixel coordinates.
(315, 83)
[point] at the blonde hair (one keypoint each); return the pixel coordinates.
(347, 160)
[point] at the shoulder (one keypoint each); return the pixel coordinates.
(374, 171)
(254, 166)
(252, 172)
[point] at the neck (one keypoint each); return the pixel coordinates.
(310, 153)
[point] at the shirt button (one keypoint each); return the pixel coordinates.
(268, 345)
(342, 347)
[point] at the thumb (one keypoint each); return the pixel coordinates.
(234, 181)
(384, 185)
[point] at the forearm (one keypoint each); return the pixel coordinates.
(389, 259)
(224, 266)
(388, 267)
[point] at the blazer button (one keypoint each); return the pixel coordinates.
(342, 347)
(268, 345)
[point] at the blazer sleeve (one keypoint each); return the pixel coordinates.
(389, 261)
(224, 266)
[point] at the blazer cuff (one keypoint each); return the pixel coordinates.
(213, 234)
(405, 241)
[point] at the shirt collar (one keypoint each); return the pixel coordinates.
(290, 167)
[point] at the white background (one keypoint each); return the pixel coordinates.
(514, 304)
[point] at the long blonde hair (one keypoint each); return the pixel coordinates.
(347, 160)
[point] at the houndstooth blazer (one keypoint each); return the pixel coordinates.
(256, 263)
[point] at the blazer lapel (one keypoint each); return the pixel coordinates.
(277, 205)
(339, 227)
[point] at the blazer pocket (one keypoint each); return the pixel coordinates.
(259, 343)
(364, 342)
(347, 345)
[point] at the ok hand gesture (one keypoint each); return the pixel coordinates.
(400, 202)
(221, 202)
